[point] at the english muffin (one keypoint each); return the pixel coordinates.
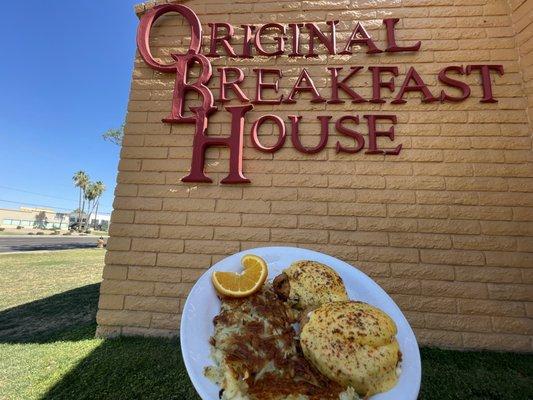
(309, 284)
(353, 344)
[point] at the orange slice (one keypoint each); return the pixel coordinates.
(249, 260)
(248, 282)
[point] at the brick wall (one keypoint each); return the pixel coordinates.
(446, 227)
(522, 20)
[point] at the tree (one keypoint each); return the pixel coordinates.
(100, 189)
(81, 180)
(114, 135)
(93, 193)
(90, 196)
(61, 217)
(41, 220)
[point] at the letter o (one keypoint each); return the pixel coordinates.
(145, 27)
(282, 133)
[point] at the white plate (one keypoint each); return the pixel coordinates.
(202, 306)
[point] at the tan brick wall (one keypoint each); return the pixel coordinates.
(522, 19)
(446, 227)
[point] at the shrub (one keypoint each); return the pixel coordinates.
(2, 229)
(20, 227)
(55, 233)
(31, 233)
(40, 233)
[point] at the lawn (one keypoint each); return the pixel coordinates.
(48, 351)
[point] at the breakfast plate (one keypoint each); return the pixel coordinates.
(203, 305)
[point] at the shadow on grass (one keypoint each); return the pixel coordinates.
(122, 368)
(152, 368)
(67, 316)
(125, 369)
(475, 375)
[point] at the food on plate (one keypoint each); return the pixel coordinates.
(257, 356)
(344, 349)
(309, 284)
(353, 344)
(232, 284)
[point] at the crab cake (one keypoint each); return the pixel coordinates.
(353, 344)
(309, 284)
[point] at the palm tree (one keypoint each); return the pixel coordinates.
(81, 180)
(90, 195)
(100, 189)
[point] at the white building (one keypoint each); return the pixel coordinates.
(101, 222)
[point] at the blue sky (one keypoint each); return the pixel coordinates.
(65, 77)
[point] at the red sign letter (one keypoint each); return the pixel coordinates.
(255, 133)
(419, 86)
(485, 79)
(279, 39)
(182, 62)
(336, 85)
(463, 87)
(373, 134)
(234, 142)
(260, 85)
(233, 85)
(391, 38)
(308, 87)
(349, 132)
(377, 83)
(314, 31)
(295, 134)
(223, 40)
(363, 39)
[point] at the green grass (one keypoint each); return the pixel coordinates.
(48, 351)
(26, 277)
(99, 233)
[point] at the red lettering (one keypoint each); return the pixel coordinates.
(419, 86)
(390, 23)
(145, 27)
(377, 83)
(336, 85)
(308, 86)
(315, 32)
(360, 141)
(363, 38)
(295, 134)
(260, 85)
(223, 40)
(234, 142)
(463, 87)
(373, 134)
(232, 85)
(295, 28)
(247, 41)
(280, 40)
(484, 70)
(181, 64)
(182, 86)
(281, 129)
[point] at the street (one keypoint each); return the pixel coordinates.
(31, 243)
